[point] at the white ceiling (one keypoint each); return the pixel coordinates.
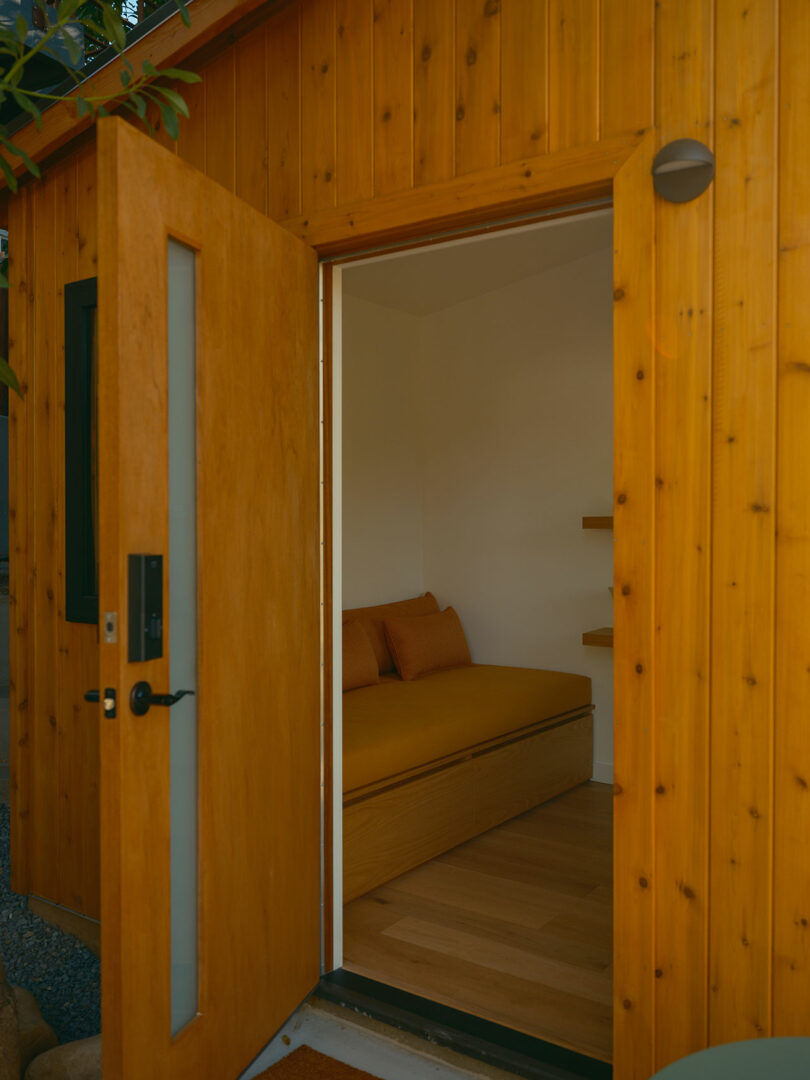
(431, 278)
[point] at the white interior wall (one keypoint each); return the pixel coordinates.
(382, 455)
(518, 447)
(474, 440)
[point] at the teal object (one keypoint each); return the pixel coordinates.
(753, 1059)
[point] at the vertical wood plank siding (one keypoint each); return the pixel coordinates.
(54, 731)
(336, 103)
(791, 924)
(683, 321)
(743, 523)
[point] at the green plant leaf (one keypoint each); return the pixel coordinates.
(114, 28)
(184, 15)
(169, 120)
(21, 27)
(8, 377)
(25, 103)
(150, 69)
(139, 105)
(32, 167)
(181, 76)
(126, 78)
(101, 111)
(8, 172)
(72, 46)
(67, 8)
(174, 99)
(81, 106)
(92, 26)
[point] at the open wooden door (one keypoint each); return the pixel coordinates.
(208, 464)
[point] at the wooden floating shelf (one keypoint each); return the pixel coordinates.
(597, 522)
(603, 636)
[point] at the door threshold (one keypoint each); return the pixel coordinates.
(499, 1046)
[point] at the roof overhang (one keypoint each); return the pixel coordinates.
(167, 44)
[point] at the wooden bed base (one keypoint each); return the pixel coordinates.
(395, 825)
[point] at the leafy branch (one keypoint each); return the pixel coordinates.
(37, 57)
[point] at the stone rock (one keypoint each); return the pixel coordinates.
(80, 1060)
(35, 1036)
(9, 1043)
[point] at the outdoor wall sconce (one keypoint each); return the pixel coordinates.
(682, 170)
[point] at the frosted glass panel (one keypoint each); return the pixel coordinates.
(183, 630)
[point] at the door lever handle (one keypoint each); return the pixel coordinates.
(141, 698)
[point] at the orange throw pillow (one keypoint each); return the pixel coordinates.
(359, 661)
(373, 618)
(426, 643)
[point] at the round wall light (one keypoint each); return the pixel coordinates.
(682, 170)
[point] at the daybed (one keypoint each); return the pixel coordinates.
(432, 761)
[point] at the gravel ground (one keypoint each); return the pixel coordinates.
(62, 973)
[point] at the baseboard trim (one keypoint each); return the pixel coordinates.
(603, 772)
(523, 1055)
(87, 930)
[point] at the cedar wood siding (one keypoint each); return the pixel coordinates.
(334, 104)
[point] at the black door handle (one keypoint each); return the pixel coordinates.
(141, 698)
(93, 696)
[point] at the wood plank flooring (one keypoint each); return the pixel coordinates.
(513, 926)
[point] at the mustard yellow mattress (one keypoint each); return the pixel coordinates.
(396, 726)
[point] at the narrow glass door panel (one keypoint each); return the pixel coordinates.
(183, 630)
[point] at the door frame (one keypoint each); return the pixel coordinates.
(620, 170)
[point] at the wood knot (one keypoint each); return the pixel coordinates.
(625, 590)
(639, 669)
(492, 7)
(752, 810)
(660, 790)
(643, 882)
(618, 294)
(658, 973)
(460, 113)
(324, 68)
(639, 374)
(386, 116)
(427, 52)
(621, 499)
(627, 1004)
(800, 780)
(527, 173)
(472, 56)
(687, 891)
(759, 508)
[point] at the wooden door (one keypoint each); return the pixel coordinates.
(253, 469)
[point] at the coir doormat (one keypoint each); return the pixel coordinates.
(307, 1064)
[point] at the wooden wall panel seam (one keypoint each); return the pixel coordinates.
(300, 25)
(775, 209)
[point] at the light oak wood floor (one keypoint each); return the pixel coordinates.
(513, 926)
